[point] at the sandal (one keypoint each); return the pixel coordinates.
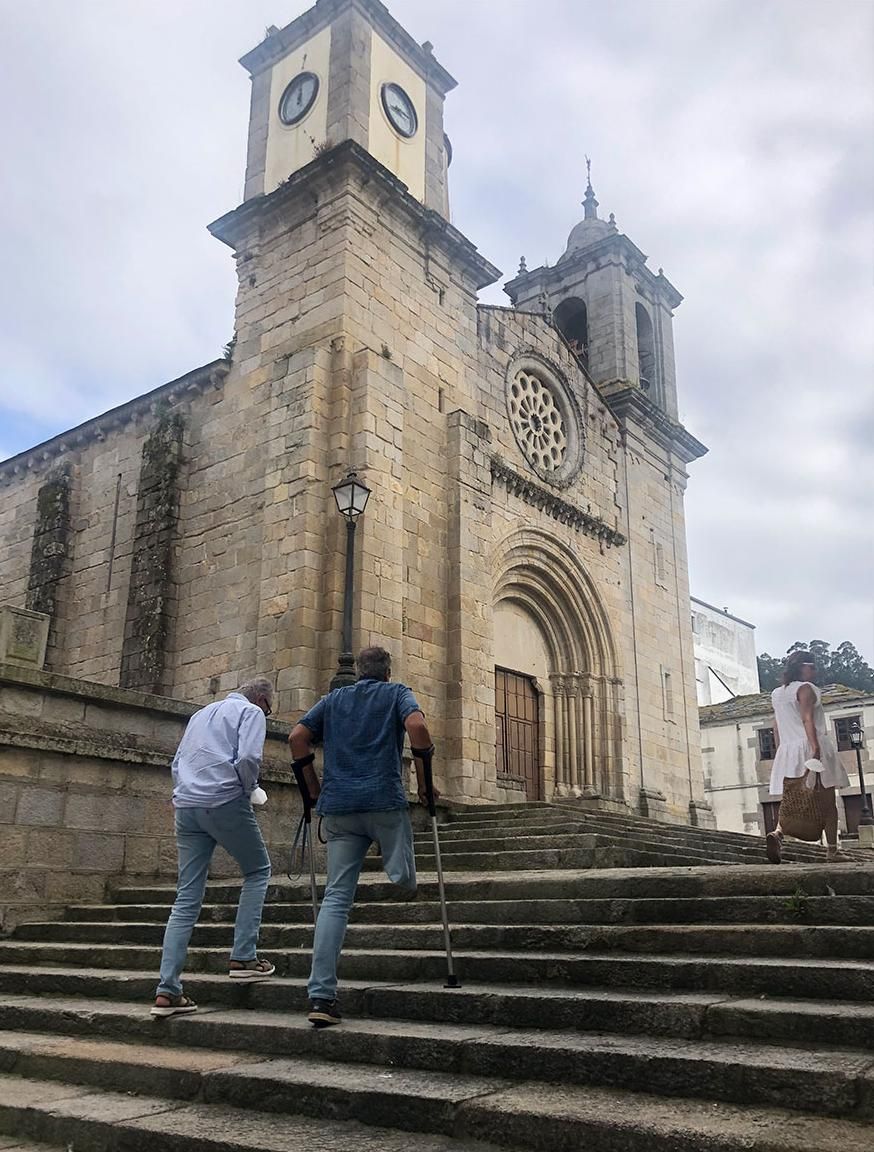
(774, 847)
(172, 1005)
(251, 969)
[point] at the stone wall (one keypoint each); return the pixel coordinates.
(85, 792)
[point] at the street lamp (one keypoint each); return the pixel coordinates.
(351, 497)
(866, 820)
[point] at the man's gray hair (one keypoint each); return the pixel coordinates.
(252, 689)
(374, 664)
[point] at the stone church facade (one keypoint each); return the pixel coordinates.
(523, 551)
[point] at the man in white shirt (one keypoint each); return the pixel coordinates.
(215, 771)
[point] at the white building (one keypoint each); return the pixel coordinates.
(737, 738)
(725, 654)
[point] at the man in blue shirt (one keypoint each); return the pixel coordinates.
(215, 771)
(361, 798)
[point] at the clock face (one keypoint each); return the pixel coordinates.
(400, 110)
(298, 98)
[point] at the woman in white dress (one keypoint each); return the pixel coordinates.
(801, 733)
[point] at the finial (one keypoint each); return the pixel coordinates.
(523, 267)
(612, 222)
(590, 204)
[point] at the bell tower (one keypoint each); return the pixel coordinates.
(346, 70)
(615, 313)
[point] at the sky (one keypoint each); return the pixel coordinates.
(733, 139)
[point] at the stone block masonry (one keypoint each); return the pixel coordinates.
(85, 792)
(151, 593)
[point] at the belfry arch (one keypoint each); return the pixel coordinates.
(581, 693)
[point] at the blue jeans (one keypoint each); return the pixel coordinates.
(198, 830)
(349, 836)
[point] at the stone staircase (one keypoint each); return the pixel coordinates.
(698, 1003)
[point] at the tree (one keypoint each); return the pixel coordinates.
(843, 666)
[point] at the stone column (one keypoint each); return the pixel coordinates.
(574, 744)
(589, 786)
(560, 750)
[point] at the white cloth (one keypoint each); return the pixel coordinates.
(219, 756)
(794, 748)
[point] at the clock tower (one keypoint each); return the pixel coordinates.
(346, 70)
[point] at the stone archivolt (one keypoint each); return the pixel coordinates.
(546, 580)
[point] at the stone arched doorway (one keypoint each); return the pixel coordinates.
(522, 668)
(550, 625)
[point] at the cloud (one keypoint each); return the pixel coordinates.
(731, 139)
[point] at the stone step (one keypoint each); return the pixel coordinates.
(55, 968)
(415, 1076)
(556, 883)
(20, 1144)
(608, 822)
(87, 1120)
(604, 855)
(562, 1119)
(581, 839)
(564, 810)
(714, 939)
(839, 910)
(262, 1027)
(751, 848)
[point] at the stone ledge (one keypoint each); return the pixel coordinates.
(51, 682)
(97, 744)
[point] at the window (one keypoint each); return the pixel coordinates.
(658, 560)
(571, 320)
(852, 811)
(767, 744)
(843, 727)
(668, 691)
(645, 351)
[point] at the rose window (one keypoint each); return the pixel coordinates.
(537, 422)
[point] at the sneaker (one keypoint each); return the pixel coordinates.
(251, 970)
(324, 1013)
(838, 857)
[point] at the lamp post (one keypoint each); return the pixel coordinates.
(351, 497)
(866, 819)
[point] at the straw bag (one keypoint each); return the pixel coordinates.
(802, 810)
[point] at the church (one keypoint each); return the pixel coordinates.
(522, 552)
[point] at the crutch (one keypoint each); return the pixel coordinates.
(426, 755)
(305, 828)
